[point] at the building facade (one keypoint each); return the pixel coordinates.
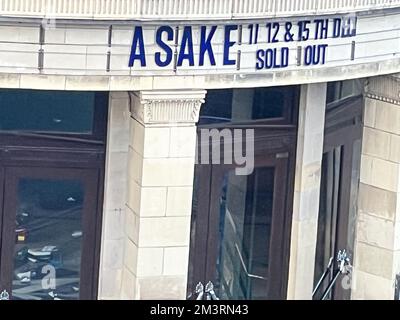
(150, 149)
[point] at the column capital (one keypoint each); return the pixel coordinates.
(167, 106)
(384, 88)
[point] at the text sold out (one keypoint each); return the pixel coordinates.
(276, 58)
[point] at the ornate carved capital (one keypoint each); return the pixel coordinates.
(384, 88)
(166, 107)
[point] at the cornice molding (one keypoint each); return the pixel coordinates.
(384, 88)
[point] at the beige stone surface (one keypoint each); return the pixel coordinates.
(127, 82)
(156, 142)
(176, 261)
(367, 286)
(387, 117)
(376, 143)
(310, 177)
(116, 181)
(137, 136)
(370, 112)
(97, 83)
(150, 262)
(153, 201)
(118, 135)
(114, 224)
(131, 226)
(379, 173)
(178, 82)
(41, 81)
(115, 193)
(179, 201)
(113, 252)
(168, 172)
(182, 142)
(135, 169)
(19, 33)
(59, 60)
(377, 259)
(376, 201)
(374, 260)
(110, 284)
(305, 203)
(161, 169)
(131, 256)
(306, 197)
(10, 81)
(55, 36)
(394, 152)
(376, 231)
(173, 288)
(164, 232)
(129, 285)
(134, 195)
(86, 36)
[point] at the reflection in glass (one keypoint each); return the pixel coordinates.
(243, 105)
(48, 239)
(340, 90)
(47, 111)
(328, 214)
(244, 234)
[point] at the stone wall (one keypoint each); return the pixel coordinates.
(377, 252)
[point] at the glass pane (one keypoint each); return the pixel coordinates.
(352, 221)
(340, 90)
(244, 233)
(47, 111)
(328, 215)
(268, 103)
(239, 105)
(48, 237)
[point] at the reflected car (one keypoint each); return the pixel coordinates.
(21, 233)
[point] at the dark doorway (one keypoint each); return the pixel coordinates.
(52, 148)
(241, 223)
(339, 190)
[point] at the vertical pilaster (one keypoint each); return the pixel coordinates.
(161, 171)
(307, 187)
(115, 189)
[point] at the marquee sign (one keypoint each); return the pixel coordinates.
(253, 47)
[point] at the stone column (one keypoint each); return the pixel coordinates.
(161, 171)
(112, 243)
(306, 193)
(377, 252)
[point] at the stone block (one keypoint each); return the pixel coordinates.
(374, 260)
(176, 261)
(179, 201)
(150, 262)
(168, 172)
(164, 232)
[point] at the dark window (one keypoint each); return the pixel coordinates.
(246, 212)
(217, 108)
(245, 105)
(48, 234)
(268, 103)
(47, 111)
(341, 90)
(338, 197)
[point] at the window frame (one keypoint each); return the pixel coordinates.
(97, 133)
(290, 114)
